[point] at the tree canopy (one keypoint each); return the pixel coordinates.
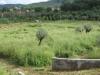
(80, 5)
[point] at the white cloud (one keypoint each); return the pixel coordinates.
(20, 1)
(2, 2)
(32, 1)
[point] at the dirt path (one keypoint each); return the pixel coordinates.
(13, 70)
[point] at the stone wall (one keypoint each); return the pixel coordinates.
(74, 64)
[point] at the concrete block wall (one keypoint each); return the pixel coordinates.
(74, 64)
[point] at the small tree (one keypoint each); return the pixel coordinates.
(39, 9)
(87, 28)
(41, 34)
(49, 9)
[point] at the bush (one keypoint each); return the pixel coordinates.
(87, 28)
(80, 29)
(41, 34)
(4, 20)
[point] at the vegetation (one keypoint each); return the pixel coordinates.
(41, 34)
(63, 28)
(80, 29)
(3, 72)
(19, 42)
(62, 9)
(87, 28)
(84, 28)
(9, 69)
(80, 5)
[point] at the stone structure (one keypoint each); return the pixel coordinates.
(74, 64)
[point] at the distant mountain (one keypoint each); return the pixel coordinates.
(50, 3)
(10, 5)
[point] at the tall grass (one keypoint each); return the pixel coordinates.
(19, 43)
(3, 71)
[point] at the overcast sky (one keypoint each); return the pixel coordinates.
(20, 1)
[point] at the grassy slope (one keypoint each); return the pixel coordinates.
(18, 41)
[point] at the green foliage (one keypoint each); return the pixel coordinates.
(53, 10)
(37, 58)
(51, 14)
(80, 29)
(94, 54)
(87, 28)
(49, 9)
(79, 5)
(18, 42)
(41, 34)
(4, 21)
(38, 9)
(3, 71)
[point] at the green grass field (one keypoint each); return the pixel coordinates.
(18, 42)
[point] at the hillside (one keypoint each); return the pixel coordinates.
(51, 3)
(10, 5)
(44, 4)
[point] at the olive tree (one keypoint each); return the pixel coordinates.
(41, 34)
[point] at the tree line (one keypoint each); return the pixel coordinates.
(69, 9)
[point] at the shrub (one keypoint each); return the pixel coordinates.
(4, 20)
(41, 34)
(80, 29)
(87, 28)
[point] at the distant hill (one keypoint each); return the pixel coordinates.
(50, 3)
(10, 5)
